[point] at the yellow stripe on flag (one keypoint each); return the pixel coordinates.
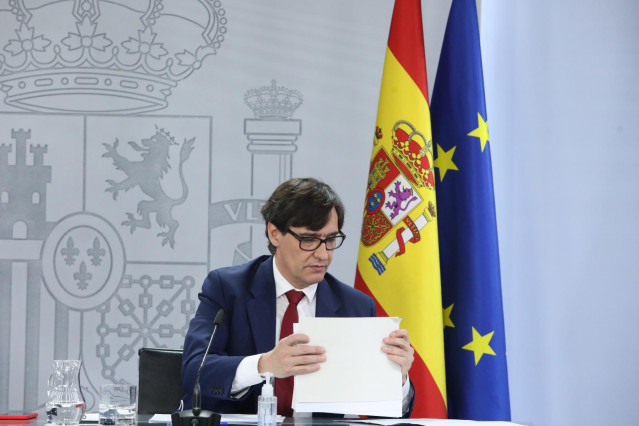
(400, 97)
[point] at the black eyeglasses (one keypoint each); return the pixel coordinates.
(313, 243)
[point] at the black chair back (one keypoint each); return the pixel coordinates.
(160, 383)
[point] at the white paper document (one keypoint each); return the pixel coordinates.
(357, 377)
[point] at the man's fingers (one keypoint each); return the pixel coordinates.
(397, 343)
(305, 369)
(293, 360)
(398, 338)
(400, 333)
(302, 364)
(292, 356)
(309, 359)
(394, 350)
(398, 349)
(298, 346)
(295, 339)
(308, 350)
(398, 359)
(389, 349)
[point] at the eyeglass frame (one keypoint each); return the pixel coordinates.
(321, 240)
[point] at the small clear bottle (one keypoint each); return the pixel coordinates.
(267, 404)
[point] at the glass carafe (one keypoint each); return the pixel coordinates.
(65, 404)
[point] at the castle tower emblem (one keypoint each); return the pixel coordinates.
(114, 56)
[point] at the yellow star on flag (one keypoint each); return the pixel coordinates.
(481, 131)
(444, 161)
(480, 345)
(447, 321)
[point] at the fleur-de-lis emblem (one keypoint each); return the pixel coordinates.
(83, 276)
(70, 252)
(96, 252)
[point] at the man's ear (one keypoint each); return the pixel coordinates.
(274, 234)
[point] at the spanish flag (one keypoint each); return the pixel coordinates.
(398, 260)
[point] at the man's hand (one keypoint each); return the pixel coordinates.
(399, 350)
(289, 358)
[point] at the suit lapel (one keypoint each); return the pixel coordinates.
(261, 308)
(328, 304)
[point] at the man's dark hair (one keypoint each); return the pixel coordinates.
(304, 202)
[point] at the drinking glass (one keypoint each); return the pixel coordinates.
(117, 404)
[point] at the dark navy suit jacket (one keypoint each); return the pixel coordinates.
(247, 295)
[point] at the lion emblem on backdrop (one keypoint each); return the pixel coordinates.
(147, 174)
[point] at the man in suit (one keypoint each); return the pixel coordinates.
(303, 219)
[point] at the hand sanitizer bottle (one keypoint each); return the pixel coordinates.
(267, 404)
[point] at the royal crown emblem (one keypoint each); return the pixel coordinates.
(273, 102)
(117, 56)
(413, 154)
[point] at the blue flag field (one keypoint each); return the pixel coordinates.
(474, 341)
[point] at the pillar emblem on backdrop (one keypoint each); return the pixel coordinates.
(272, 133)
(393, 183)
(103, 228)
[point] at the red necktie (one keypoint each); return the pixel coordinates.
(284, 386)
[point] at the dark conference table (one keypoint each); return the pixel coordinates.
(143, 420)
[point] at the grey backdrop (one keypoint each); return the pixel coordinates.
(83, 274)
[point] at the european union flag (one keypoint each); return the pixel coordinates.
(476, 372)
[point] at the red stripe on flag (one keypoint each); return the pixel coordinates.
(428, 398)
(406, 37)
